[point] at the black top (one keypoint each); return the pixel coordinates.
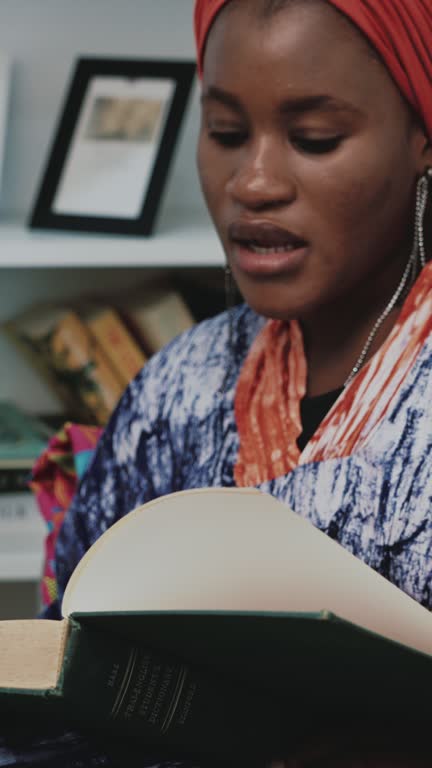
(312, 412)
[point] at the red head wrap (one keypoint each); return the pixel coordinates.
(400, 30)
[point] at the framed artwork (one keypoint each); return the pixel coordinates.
(113, 146)
(5, 82)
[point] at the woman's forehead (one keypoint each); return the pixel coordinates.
(304, 48)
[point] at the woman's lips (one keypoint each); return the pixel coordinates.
(267, 262)
(262, 248)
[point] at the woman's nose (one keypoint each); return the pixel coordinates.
(262, 178)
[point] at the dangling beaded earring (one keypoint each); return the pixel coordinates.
(416, 262)
(230, 297)
(421, 205)
(230, 289)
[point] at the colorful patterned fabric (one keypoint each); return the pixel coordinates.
(400, 30)
(271, 385)
(55, 477)
(273, 382)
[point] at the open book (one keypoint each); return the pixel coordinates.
(212, 619)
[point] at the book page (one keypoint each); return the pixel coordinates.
(233, 549)
(31, 653)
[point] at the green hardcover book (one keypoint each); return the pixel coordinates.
(14, 479)
(217, 621)
(22, 437)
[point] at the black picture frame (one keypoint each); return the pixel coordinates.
(51, 209)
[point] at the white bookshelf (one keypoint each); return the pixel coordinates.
(184, 238)
(38, 265)
(25, 567)
(19, 599)
(52, 265)
(22, 538)
(43, 39)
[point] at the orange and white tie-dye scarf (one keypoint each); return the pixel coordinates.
(272, 383)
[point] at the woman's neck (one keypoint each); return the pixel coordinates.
(333, 351)
(335, 334)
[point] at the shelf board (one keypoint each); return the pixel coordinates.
(25, 566)
(182, 239)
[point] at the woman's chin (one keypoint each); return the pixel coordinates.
(273, 302)
(272, 310)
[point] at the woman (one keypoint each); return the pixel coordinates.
(314, 155)
(314, 165)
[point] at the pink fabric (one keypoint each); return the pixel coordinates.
(401, 30)
(55, 479)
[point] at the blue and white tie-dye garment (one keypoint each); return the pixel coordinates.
(175, 429)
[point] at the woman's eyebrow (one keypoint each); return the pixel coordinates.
(213, 93)
(295, 105)
(299, 105)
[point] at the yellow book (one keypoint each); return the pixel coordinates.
(77, 355)
(119, 346)
(157, 316)
(29, 333)
(57, 342)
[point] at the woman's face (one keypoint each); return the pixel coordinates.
(308, 158)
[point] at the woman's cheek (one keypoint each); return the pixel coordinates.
(204, 173)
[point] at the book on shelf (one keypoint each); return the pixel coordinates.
(14, 479)
(23, 437)
(22, 528)
(58, 343)
(121, 349)
(22, 536)
(17, 509)
(218, 621)
(155, 314)
(29, 333)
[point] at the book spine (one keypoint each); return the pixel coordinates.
(23, 437)
(79, 361)
(161, 702)
(159, 321)
(18, 508)
(14, 479)
(117, 343)
(34, 353)
(22, 529)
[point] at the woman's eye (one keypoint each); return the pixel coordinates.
(316, 146)
(228, 139)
